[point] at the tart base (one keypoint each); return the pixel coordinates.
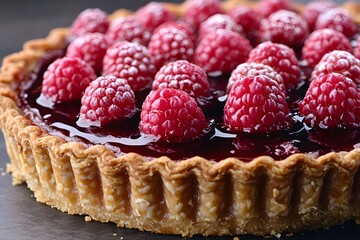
(190, 197)
(194, 196)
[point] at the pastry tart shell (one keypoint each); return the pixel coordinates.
(193, 196)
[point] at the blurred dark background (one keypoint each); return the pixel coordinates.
(21, 217)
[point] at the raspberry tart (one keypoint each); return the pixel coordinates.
(177, 119)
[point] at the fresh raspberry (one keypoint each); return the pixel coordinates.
(256, 104)
(127, 28)
(266, 7)
(106, 99)
(89, 21)
(339, 20)
(332, 101)
(281, 58)
(321, 42)
(222, 51)
(182, 75)
(130, 61)
(172, 116)
(284, 27)
(248, 19)
(153, 14)
(313, 9)
(254, 69)
(357, 48)
(91, 48)
(169, 44)
(182, 26)
(218, 21)
(340, 62)
(197, 11)
(66, 79)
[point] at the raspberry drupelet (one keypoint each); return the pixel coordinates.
(338, 61)
(282, 59)
(339, 20)
(313, 9)
(182, 75)
(256, 104)
(66, 79)
(91, 48)
(197, 11)
(89, 21)
(254, 69)
(130, 61)
(222, 51)
(321, 42)
(266, 7)
(171, 115)
(106, 99)
(153, 14)
(332, 101)
(128, 28)
(284, 27)
(218, 21)
(169, 44)
(247, 18)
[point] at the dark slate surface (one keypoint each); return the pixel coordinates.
(21, 217)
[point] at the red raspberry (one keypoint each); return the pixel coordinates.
(184, 76)
(130, 61)
(332, 101)
(357, 49)
(91, 48)
(128, 28)
(66, 79)
(89, 21)
(340, 62)
(284, 27)
(153, 14)
(248, 19)
(222, 51)
(321, 42)
(197, 11)
(254, 69)
(218, 21)
(313, 9)
(256, 104)
(169, 44)
(281, 58)
(266, 7)
(182, 26)
(172, 116)
(105, 100)
(337, 19)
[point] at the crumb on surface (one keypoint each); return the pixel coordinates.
(8, 168)
(357, 221)
(236, 238)
(88, 219)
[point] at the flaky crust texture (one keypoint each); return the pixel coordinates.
(194, 196)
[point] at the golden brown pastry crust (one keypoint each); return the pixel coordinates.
(194, 196)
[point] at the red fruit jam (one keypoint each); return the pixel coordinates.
(216, 144)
